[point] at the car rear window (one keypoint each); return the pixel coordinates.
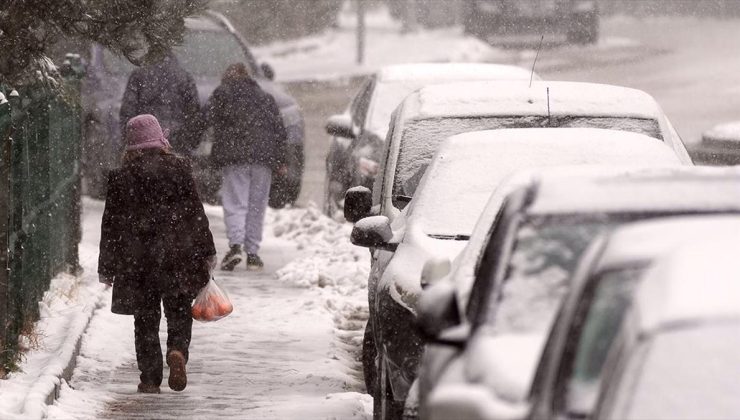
(421, 138)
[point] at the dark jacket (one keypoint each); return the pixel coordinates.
(168, 92)
(155, 237)
(247, 125)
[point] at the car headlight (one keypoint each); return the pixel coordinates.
(367, 167)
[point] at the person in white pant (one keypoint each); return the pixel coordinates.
(249, 145)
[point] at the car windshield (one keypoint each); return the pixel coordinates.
(203, 53)
(538, 275)
(599, 320)
(421, 138)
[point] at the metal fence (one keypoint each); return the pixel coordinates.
(40, 132)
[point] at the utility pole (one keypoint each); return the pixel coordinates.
(360, 31)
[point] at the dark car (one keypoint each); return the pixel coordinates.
(211, 44)
(525, 266)
(578, 20)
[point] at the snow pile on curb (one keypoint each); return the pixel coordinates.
(66, 310)
(335, 269)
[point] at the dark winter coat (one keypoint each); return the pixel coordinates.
(247, 125)
(168, 92)
(155, 237)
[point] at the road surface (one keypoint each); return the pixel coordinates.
(690, 65)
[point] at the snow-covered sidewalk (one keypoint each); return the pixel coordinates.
(289, 350)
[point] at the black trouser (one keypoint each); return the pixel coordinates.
(146, 330)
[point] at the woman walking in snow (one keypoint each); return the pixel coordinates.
(155, 248)
(250, 143)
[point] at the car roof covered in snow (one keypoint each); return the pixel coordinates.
(640, 242)
(673, 189)
(517, 98)
(423, 72)
(700, 183)
(696, 283)
(467, 168)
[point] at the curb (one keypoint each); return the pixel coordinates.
(48, 385)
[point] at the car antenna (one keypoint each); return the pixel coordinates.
(549, 116)
(531, 76)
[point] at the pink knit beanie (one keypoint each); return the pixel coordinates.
(144, 132)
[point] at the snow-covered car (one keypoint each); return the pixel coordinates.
(522, 257)
(720, 145)
(578, 20)
(358, 134)
(570, 370)
(676, 355)
(430, 115)
(211, 44)
(461, 177)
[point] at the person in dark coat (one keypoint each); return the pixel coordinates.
(249, 145)
(164, 89)
(155, 248)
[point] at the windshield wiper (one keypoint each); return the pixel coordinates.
(451, 237)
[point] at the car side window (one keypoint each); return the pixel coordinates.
(361, 103)
(489, 262)
(597, 321)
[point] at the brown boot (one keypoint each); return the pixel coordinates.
(178, 379)
(148, 388)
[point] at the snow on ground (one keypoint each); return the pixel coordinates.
(332, 54)
(65, 310)
(288, 351)
(334, 269)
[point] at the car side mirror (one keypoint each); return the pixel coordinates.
(358, 202)
(437, 310)
(434, 270)
(373, 232)
(340, 126)
(268, 71)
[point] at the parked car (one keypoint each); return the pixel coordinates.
(211, 44)
(438, 221)
(430, 115)
(566, 382)
(578, 20)
(676, 354)
(524, 256)
(359, 133)
(572, 365)
(720, 145)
